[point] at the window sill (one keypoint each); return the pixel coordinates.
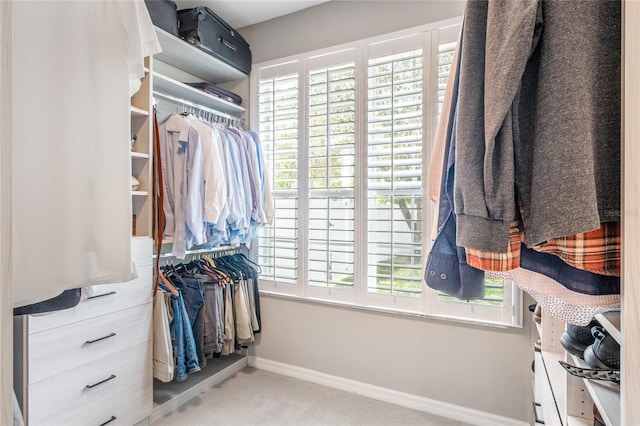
(384, 311)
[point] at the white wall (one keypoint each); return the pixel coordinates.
(6, 308)
(482, 368)
(339, 21)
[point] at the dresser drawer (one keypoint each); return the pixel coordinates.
(65, 348)
(545, 407)
(142, 251)
(119, 385)
(100, 300)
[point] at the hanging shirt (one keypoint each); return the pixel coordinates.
(262, 175)
(547, 125)
(237, 207)
(182, 172)
(71, 158)
(214, 193)
(195, 182)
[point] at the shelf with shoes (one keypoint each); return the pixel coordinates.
(563, 398)
(573, 400)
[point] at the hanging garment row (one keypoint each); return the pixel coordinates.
(526, 182)
(216, 185)
(204, 309)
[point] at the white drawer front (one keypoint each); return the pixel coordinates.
(142, 251)
(546, 409)
(66, 400)
(65, 348)
(100, 300)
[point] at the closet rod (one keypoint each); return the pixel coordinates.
(235, 120)
(230, 247)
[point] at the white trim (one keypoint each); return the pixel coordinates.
(385, 310)
(391, 396)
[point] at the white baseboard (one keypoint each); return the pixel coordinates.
(407, 400)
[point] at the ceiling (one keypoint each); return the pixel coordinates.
(240, 13)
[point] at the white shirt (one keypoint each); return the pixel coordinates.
(214, 179)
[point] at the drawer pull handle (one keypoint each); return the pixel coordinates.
(113, 376)
(102, 295)
(108, 421)
(88, 342)
(537, 420)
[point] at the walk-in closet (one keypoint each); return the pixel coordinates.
(319, 212)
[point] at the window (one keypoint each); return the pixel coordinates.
(347, 136)
(278, 128)
(331, 133)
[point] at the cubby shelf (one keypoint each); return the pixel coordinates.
(176, 89)
(182, 55)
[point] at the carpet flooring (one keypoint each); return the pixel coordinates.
(261, 398)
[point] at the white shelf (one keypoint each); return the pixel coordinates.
(186, 57)
(140, 193)
(176, 89)
(606, 395)
(578, 421)
(138, 112)
(139, 155)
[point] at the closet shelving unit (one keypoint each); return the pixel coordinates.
(181, 62)
(563, 399)
(141, 157)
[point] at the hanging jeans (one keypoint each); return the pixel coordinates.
(182, 340)
(193, 293)
(214, 335)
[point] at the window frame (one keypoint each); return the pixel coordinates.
(427, 304)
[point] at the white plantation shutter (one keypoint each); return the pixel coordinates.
(331, 134)
(394, 173)
(345, 133)
(278, 129)
(446, 52)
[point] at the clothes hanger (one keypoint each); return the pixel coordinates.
(214, 273)
(168, 284)
(246, 259)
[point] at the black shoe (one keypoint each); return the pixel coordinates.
(604, 353)
(577, 338)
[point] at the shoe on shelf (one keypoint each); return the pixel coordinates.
(537, 314)
(604, 353)
(577, 338)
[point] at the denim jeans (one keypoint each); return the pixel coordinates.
(193, 293)
(182, 340)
